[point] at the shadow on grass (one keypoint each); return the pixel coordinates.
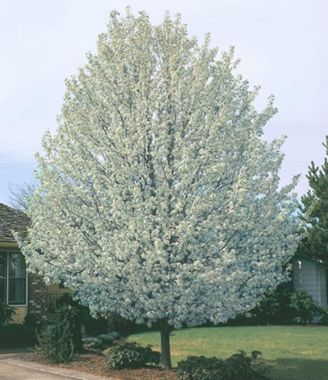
(299, 369)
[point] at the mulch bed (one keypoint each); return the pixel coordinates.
(96, 364)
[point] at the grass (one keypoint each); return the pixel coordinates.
(294, 352)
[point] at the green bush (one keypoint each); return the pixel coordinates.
(200, 368)
(131, 355)
(102, 341)
(14, 336)
(303, 307)
(238, 367)
(55, 348)
(324, 317)
(284, 305)
(242, 367)
(6, 314)
(61, 338)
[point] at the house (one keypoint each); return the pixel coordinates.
(311, 276)
(26, 292)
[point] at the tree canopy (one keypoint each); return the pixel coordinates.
(157, 197)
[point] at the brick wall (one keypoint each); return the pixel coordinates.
(37, 297)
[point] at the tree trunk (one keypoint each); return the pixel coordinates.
(165, 346)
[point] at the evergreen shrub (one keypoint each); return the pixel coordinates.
(61, 338)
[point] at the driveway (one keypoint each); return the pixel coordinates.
(14, 372)
(12, 368)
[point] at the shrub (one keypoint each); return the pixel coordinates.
(200, 368)
(61, 338)
(102, 341)
(74, 314)
(54, 348)
(284, 305)
(14, 336)
(238, 367)
(242, 367)
(131, 355)
(6, 314)
(324, 317)
(303, 307)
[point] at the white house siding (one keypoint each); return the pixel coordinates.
(311, 277)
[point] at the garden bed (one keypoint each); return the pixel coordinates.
(96, 364)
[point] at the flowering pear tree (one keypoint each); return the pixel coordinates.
(157, 198)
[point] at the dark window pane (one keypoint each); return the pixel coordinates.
(17, 291)
(17, 279)
(3, 290)
(3, 277)
(16, 265)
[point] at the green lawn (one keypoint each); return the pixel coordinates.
(295, 352)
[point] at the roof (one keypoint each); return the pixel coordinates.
(12, 220)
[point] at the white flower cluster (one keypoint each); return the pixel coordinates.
(157, 197)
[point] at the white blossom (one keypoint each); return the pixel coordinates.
(158, 198)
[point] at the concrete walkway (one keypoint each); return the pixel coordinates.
(14, 372)
(12, 368)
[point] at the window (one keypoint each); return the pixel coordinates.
(12, 278)
(3, 277)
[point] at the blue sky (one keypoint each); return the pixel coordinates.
(283, 46)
